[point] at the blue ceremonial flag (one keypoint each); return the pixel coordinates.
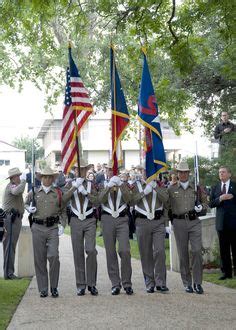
(148, 116)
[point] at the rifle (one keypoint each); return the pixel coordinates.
(198, 189)
(30, 217)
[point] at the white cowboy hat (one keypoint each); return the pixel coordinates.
(183, 167)
(48, 171)
(13, 171)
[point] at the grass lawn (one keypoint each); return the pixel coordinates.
(213, 278)
(11, 293)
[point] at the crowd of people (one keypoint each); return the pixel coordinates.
(124, 204)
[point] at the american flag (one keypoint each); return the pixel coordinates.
(76, 112)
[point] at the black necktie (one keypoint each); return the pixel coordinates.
(224, 189)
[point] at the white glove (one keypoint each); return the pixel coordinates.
(23, 176)
(153, 184)
(147, 189)
(116, 180)
(31, 209)
(168, 230)
(78, 182)
(111, 184)
(82, 190)
(198, 208)
(60, 230)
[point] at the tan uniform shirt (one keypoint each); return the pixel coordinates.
(49, 204)
(182, 201)
(13, 197)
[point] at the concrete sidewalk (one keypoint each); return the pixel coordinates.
(216, 309)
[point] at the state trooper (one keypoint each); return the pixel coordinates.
(151, 216)
(47, 213)
(83, 233)
(13, 205)
(187, 228)
(114, 198)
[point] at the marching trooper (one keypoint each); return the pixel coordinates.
(13, 205)
(46, 229)
(187, 228)
(114, 198)
(83, 233)
(151, 219)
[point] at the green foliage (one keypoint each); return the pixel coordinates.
(191, 52)
(11, 294)
(25, 143)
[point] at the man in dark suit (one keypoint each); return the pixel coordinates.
(223, 197)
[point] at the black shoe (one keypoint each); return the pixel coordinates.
(198, 288)
(80, 292)
(162, 289)
(150, 290)
(43, 294)
(93, 290)
(12, 277)
(129, 290)
(189, 289)
(225, 277)
(115, 290)
(54, 292)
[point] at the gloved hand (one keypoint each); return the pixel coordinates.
(147, 189)
(198, 208)
(31, 209)
(82, 190)
(111, 184)
(78, 182)
(116, 180)
(23, 176)
(168, 230)
(60, 230)
(153, 184)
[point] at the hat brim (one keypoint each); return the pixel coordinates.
(183, 170)
(11, 176)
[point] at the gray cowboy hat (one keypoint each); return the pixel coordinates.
(183, 167)
(13, 171)
(83, 163)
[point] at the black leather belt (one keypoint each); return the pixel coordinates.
(158, 215)
(49, 221)
(191, 215)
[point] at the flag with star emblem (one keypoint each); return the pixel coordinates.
(148, 116)
(120, 114)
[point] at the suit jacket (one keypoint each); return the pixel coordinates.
(225, 210)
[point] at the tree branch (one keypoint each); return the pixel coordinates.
(176, 39)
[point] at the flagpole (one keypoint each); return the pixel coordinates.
(114, 113)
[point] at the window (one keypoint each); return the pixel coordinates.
(4, 162)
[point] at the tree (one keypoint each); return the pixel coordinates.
(26, 144)
(190, 50)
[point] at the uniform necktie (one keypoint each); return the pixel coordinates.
(224, 189)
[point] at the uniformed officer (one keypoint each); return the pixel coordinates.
(187, 228)
(13, 205)
(83, 234)
(114, 198)
(49, 206)
(151, 219)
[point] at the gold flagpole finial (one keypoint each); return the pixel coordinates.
(144, 50)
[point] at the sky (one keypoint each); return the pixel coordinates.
(19, 111)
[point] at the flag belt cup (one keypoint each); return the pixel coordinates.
(89, 214)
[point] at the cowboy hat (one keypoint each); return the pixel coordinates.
(83, 163)
(183, 167)
(13, 171)
(48, 171)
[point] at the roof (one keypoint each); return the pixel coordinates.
(5, 146)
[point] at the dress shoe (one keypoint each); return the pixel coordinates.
(198, 288)
(43, 294)
(129, 290)
(54, 292)
(224, 277)
(150, 290)
(162, 289)
(80, 292)
(115, 290)
(189, 289)
(93, 290)
(12, 277)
